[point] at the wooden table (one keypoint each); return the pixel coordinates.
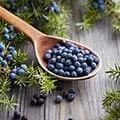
(88, 103)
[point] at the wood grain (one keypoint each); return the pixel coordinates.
(88, 103)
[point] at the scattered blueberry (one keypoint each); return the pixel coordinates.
(13, 52)
(2, 47)
(13, 76)
(4, 63)
(72, 90)
(23, 66)
(70, 97)
(9, 57)
(24, 118)
(33, 102)
(5, 30)
(58, 99)
(17, 115)
(21, 72)
(40, 101)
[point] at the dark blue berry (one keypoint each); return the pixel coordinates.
(47, 56)
(100, 1)
(9, 57)
(40, 101)
(79, 71)
(58, 45)
(5, 30)
(49, 51)
(13, 76)
(71, 68)
(76, 50)
(87, 70)
(24, 117)
(13, 52)
(70, 97)
(55, 71)
(89, 60)
(84, 65)
(62, 60)
(65, 94)
(16, 115)
(52, 60)
(59, 52)
(1, 59)
(68, 62)
(23, 66)
(61, 72)
(67, 74)
(93, 65)
(4, 63)
(72, 90)
(57, 9)
(51, 8)
(6, 36)
(74, 74)
(2, 54)
(2, 47)
(59, 65)
(79, 55)
(64, 54)
(102, 7)
(74, 58)
(14, 70)
(54, 50)
(11, 28)
(80, 59)
(58, 99)
(33, 101)
(66, 50)
(11, 48)
(77, 64)
(21, 72)
(69, 55)
(36, 96)
(50, 66)
(58, 58)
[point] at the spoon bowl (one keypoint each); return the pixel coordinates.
(43, 42)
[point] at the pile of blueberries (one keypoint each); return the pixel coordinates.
(9, 33)
(99, 4)
(68, 96)
(17, 116)
(67, 60)
(7, 59)
(54, 7)
(6, 56)
(38, 100)
(18, 71)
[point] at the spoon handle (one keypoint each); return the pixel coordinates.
(20, 24)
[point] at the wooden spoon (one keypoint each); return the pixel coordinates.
(43, 42)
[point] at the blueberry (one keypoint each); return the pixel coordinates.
(14, 70)
(2, 47)
(52, 61)
(51, 8)
(57, 9)
(66, 50)
(23, 66)
(70, 119)
(79, 71)
(82, 51)
(58, 45)
(13, 52)
(70, 45)
(13, 76)
(49, 51)
(6, 36)
(61, 72)
(84, 65)
(67, 74)
(64, 54)
(70, 97)
(4, 63)
(87, 52)
(65, 94)
(77, 64)
(96, 60)
(11, 28)
(58, 99)
(102, 7)
(40, 101)
(61, 48)
(62, 60)
(21, 71)
(74, 74)
(33, 101)
(44, 96)
(5, 30)
(2, 54)
(71, 48)
(36, 96)
(87, 70)
(50, 66)
(66, 68)
(93, 65)
(9, 57)
(1, 59)
(59, 65)
(59, 52)
(11, 48)
(89, 60)
(47, 56)
(24, 118)
(68, 62)
(80, 59)
(16, 115)
(72, 90)
(71, 68)
(55, 71)
(74, 58)
(79, 55)
(69, 55)
(54, 50)
(58, 58)
(76, 50)
(100, 1)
